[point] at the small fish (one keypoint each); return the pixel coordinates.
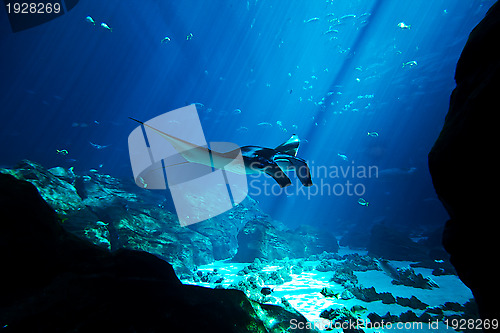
(329, 31)
(90, 20)
(266, 291)
(373, 134)
(363, 202)
(410, 64)
(105, 26)
(358, 309)
(314, 19)
(348, 16)
(402, 25)
(165, 40)
(265, 124)
(96, 146)
(327, 292)
(189, 36)
(236, 111)
(342, 156)
(439, 261)
(242, 129)
(102, 223)
(62, 152)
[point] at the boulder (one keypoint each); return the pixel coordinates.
(360, 263)
(260, 239)
(328, 265)
(222, 230)
(463, 164)
(53, 281)
(345, 276)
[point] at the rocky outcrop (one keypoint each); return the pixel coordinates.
(430, 317)
(307, 240)
(53, 281)
(222, 230)
(260, 238)
(117, 214)
(463, 164)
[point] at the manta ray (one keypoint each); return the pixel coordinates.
(256, 159)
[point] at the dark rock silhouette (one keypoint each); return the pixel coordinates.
(464, 167)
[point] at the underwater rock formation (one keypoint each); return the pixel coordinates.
(408, 277)
(431, 314)
(54, 281)
(345, 276)
(338, 315)
(463, 164)
(411, 302)
(260, 238)
(118, 214)
(307, 240)
(371, 295)
(114, 214)
(222, 230)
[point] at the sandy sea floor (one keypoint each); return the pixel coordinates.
(303, 293)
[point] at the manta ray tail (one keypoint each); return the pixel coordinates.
(140, 122)
(289, 147)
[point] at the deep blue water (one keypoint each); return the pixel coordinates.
(304, 67)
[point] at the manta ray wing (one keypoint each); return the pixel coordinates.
(289, 147)
(297, 164)
(279, 176)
